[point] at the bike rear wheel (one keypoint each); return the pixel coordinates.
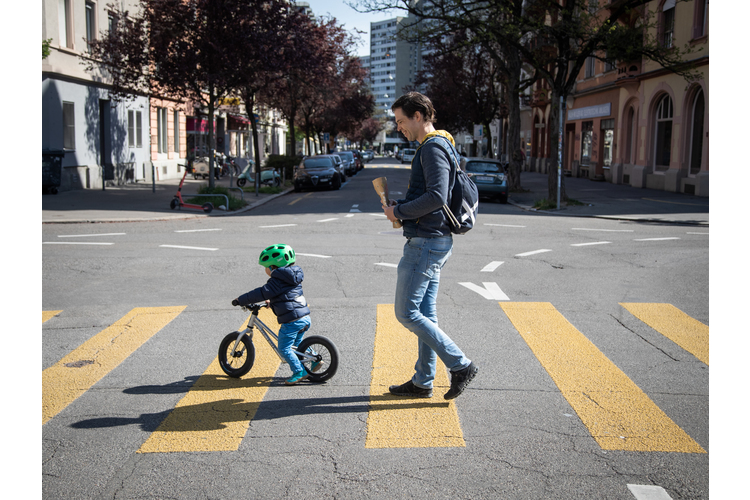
(326, 358)
(236, 363)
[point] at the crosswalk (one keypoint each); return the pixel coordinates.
(215, 414)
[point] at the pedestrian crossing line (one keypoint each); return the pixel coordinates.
(686, 332)
(47, 315)
(77, 372)
(617, 413)
(216, 413)
(397, 422)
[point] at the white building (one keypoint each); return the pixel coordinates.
(101, 140)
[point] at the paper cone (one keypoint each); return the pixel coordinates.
(381, 187)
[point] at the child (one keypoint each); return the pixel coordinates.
(283, 292)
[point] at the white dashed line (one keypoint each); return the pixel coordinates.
(591, 243)
(188, 248)
(533, 252)
(386, 264)
(491, 291)
(491, 267)
(195, 230)
(328, 220)
(314, 255)
(87, 235)
(75, 243)
(657, 239)
(278, 225)
(503, 225)
(605, 230)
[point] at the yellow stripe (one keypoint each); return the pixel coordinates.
(77, 372)
(397, 422)
(616, 412)
(216, 413)
(47, 315)
(686, 332)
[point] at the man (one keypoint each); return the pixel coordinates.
(428, 245)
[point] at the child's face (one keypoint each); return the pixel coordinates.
(269, 271)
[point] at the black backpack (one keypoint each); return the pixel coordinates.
(463, 205)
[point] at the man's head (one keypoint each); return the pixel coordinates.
(414, 115)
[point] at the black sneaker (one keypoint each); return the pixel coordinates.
(410, 390)
(460, 380)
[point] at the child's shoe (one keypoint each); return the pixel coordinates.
(297, 377)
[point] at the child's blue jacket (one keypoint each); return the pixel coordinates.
(284, 292)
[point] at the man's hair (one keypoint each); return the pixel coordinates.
(412, 102)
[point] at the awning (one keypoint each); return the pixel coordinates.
(240, 119)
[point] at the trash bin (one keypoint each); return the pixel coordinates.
(51, 170)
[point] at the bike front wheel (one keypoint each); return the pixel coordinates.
(236, 362)
(326, 361)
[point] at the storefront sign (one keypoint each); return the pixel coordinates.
(590, 112)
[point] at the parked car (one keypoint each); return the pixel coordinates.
(339, 165)
(408, 155)
(350, 164)
(488, 175)
(316, 172)
(368, 155)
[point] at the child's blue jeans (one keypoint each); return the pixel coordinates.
(290, 335)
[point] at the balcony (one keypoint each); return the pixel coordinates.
(627, 71)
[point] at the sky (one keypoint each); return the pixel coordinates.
(350, 18)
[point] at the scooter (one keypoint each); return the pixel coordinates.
(267, 177)
(178, 202)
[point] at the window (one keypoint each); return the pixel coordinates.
(161, 129)
(90, 24)
(69, 125)
(590, 62)
(65, 23)
(696, 139)
(667, 24)
(663, 147)
(630, 139)
(138, 130)
(700, 18)
(131, 128)
(177, 132)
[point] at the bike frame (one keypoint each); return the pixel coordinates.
(267, 333)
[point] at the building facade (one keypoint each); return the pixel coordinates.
(102, 141)
(633, 122)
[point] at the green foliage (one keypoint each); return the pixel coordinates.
(45, 48)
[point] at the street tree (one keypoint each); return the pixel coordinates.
(464, 84)
(183, 49)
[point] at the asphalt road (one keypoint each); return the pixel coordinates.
(577, 396)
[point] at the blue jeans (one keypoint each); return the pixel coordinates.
(290, 335)
(416, 293)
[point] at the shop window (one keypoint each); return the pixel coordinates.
(663, 138)
(696, 140)
(630, 137)
(587, 139)
(608, 135)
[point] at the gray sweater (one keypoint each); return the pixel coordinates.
(429, 187)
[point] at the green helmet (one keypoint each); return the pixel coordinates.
(277, 255)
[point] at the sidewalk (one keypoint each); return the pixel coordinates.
(142, 201)
(138, 202)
